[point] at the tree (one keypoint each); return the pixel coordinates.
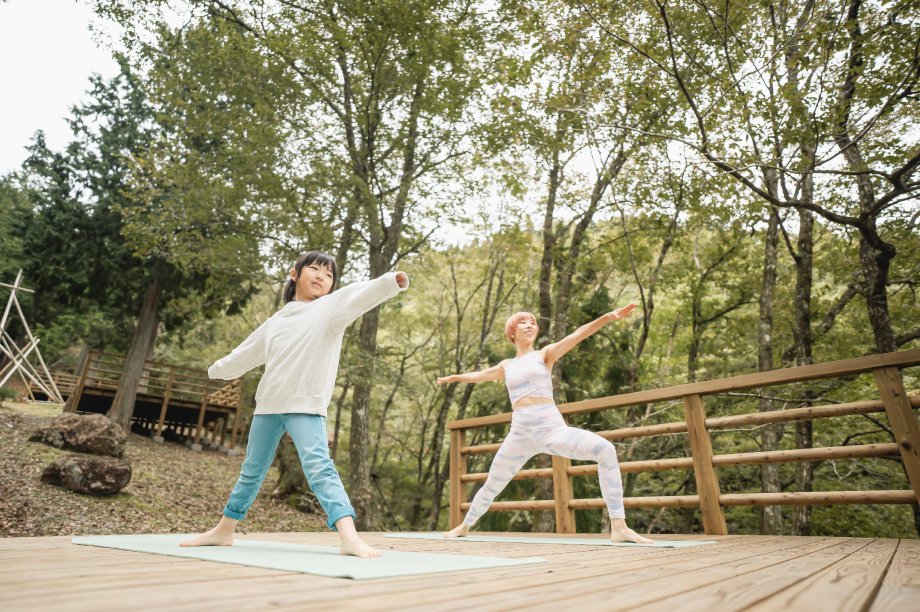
(748, 115)
(378, 100)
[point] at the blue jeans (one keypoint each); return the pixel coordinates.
(308, 431)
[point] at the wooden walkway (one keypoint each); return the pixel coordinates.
(754, 573)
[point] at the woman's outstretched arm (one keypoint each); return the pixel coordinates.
(554, 352)
(496, 372)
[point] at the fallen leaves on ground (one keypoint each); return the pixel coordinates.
(173, 489)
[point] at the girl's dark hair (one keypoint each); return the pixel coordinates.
(311, 257)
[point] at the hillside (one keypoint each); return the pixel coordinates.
(172, 490)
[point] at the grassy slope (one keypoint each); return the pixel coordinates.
(172, 490)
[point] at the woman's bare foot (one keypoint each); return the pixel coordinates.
(619, 532)
(351, 543)
(457, 532)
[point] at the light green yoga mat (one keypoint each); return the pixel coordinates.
(319, 560)
(514, 540)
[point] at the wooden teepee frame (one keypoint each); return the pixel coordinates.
(19, 358)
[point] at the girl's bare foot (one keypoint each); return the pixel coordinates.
(222, 535)
(357, 548)
(457, 532)
(619, 532)
(211, 538)
(351, 543)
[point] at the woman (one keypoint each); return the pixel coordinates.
(537, 425)
(300, 346)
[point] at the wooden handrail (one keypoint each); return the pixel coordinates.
(895, 403)
(832, 369)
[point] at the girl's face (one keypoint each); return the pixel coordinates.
(525, 332)
(315, 281)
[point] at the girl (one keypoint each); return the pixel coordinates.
(300, 346)
(537, 425)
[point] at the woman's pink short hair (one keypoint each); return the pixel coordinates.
(515, 319)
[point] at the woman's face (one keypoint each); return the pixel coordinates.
(315, 281)
(525, 332)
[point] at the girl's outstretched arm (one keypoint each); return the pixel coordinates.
(496, 372)
(248, 355)
(554, 352)
(354, 300)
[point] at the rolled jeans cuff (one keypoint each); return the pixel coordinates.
(334, 517)
(239, 516)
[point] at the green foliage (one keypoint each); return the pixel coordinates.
(260, 132)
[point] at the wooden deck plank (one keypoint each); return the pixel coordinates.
(901, 588)
(631, 589)
(435, 589)
(233, 596)
(745, 590)
(848, 585)
(499, 593)
(53, 574)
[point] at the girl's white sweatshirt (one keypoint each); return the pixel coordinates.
(300, 346)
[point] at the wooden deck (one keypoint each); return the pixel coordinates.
(754, 573)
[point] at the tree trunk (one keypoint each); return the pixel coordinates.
(875, 258)
(804, 471)
(437, 441)
(123, 405)
(338, 422)
(362, 495)
(81, 360)
(544, 521)
(772, 517)
(489, 312)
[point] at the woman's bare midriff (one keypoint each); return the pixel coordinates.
(531, 401)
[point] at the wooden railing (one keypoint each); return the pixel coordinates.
(65, 382)
(894, 402)
(167, 384)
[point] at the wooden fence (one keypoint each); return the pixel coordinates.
(168, 396)
(894, 402)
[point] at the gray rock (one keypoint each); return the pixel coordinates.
(83, 433)
(88, 474)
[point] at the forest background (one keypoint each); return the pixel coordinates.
(746, 172)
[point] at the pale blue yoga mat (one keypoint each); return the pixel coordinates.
(578, 541)
(319, 560)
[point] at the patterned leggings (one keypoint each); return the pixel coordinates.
(541, 429)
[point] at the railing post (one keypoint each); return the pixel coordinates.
(707, 482)
(169, 385)
(457, 469)
(74, 400)
(204, 405)
(902, 420)
(236, 421)
(562, 495)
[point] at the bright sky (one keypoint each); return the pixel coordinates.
(47, 54)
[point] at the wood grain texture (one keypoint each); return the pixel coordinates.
(902, 420)
(817, 498)
(707, 482)
(847, 585)
(900, 589)
(809, 454)
(747, 589)
(562, 495)
(458, 491)
(735, 573)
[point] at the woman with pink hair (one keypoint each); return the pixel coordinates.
(537, 425)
